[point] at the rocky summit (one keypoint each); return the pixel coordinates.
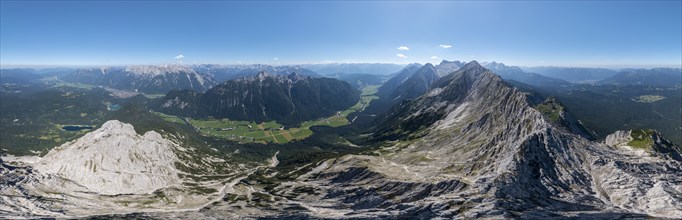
(114, 160)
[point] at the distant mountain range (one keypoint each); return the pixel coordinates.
(227, 72)
(517, 74)
(358, 80)
(573, 74)
(288, 99)
(17, 75)
(370, 68)
(146, 79)
(537, 76)
(668, 77)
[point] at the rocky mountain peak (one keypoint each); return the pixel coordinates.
(113, 127)
(473, 65)
(266, 97)
(294, 76)
(501, 66)
(158, 70)
(474, 129)
(495, 64)
(469, 83)
(446, 67)
(144, 78)
(262, 75)
(101, 70)
(471, 72)
(412, 65)
(426, 71)
(457, 62)
(113, 160)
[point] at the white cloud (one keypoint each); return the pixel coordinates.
(445, 46)
(179, 57)
(275, 58)
(434, 57)
(403, 48)
(401, 55)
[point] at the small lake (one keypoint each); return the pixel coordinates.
(76, 127)
(114, 107)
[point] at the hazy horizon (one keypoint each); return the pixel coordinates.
(39, 66)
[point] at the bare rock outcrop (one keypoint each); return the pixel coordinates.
(618, 138)
(114, 160)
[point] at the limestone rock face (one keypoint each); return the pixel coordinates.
(114, 160)
(618, 138)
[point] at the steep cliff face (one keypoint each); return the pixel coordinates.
(114, 160)
(475, 147)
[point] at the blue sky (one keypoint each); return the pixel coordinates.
(606, 34)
